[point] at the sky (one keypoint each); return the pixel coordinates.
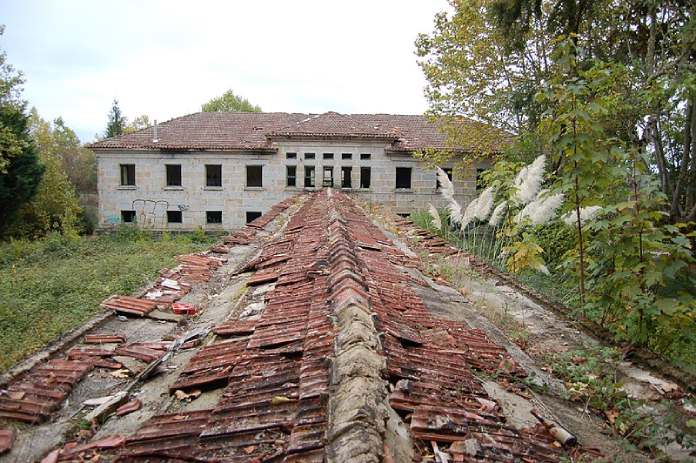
(166, 58)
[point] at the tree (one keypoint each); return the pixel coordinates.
(55, 207)
(489, 58)
(139, 123)
(20, 171)
(229, 102)
(116, 122)
(60, 141)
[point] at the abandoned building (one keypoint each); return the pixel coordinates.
(320, 346)
(222, 170)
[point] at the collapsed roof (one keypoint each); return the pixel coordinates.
(331, 354)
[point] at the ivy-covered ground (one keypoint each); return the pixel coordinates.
(52, 285)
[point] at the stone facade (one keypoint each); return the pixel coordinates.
(150, 198)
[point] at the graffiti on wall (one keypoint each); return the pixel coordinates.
(151, 213)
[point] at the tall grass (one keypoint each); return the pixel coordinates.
(52, 285)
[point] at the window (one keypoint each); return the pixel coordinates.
(328, 155)
(292, 175)
(448, 171)
(309, 155)
(309, 176)
(127, 174)
(327, 178)
(365, 156)
(347, 156)
(254, 176)
(252, 215)
(213, 175)
(291, 155)
(127, 216)
(479, 178)
(345, 177)
(174, 217)
(213, 216)
(365, 177)
(403, 178)
(173, 174)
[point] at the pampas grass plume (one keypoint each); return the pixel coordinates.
(497, 214)
(446, 186)
(437, 222)
(586, 214)
(484, 204)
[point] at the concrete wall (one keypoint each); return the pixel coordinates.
(151, 198)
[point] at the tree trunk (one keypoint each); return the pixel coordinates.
(682, 177)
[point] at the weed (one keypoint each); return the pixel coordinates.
(50, 286)
(591, 379)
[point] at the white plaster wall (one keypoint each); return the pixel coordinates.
(234, 199)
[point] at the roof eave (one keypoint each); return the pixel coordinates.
(183, 148)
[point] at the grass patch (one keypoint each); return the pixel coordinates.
(52, 285)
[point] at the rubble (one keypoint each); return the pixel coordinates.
(339, 361)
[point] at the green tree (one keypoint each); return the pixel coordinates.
(60, 141)
(488, 58)
(20, 171)
(55, 207)
(139, 123)
(229, 102)
(116, 121)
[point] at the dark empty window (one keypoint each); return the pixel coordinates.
(448, 171)
(173, 174)
(127, 216)
(365, 156)
(128, 174)
(345, 177)
(309, 155)
(213, 216)
(309, 176)
(213, 175)
(327, 178)
(252, 215)
(174, 217)
(365, 174)
(254, 176)
(328, 155)
(346, 156)
(403, 177)
(479, 178)
(292, 175)
(291, 155)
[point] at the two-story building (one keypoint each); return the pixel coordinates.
(222, 170)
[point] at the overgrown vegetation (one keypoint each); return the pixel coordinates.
(52, 285)
(605, 211)
(593, 380)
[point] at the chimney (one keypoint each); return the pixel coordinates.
(154, 135)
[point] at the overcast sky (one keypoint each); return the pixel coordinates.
(166, 58)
